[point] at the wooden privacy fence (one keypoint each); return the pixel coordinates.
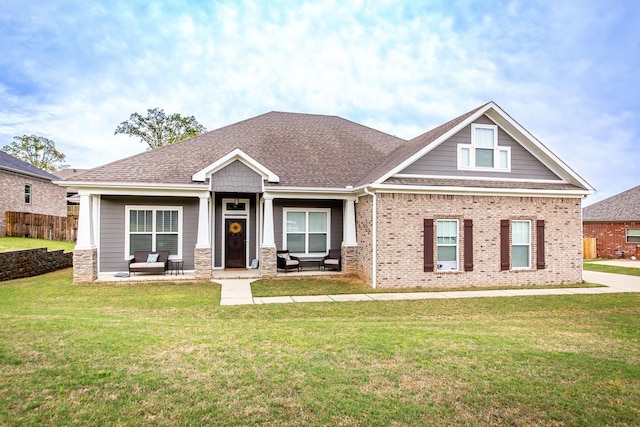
(38, 226)
(589, 250)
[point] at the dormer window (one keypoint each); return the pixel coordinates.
(484, 153)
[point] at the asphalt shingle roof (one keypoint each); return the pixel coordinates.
(304, 150)
(621, 207)
(8, 162)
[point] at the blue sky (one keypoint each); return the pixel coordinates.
(568, 71)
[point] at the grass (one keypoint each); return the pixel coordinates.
(168, 354)
(8, 244)
(351, 285)
(629, 271)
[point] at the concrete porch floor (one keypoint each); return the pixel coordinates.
(216, 275)
(146, 277)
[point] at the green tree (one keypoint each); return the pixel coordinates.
(157, 129)
(38, 151)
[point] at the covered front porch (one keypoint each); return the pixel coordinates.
(248, 229)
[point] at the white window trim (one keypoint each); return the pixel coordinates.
(635, 234)
(528, 267)
(306, 211)
(472, 152)
(127, 227)
(457, 244)
(30, 193)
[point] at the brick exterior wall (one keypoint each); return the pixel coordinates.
(46, 198)
(364, 237)
(612, 236)
(400, 234)
(32, 262)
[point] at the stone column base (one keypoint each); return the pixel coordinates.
(268, 261)
(349, 259)
(202, 263)
(85, 265)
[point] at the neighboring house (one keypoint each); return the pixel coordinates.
(26, 188)
(73, 201)
(615, 224)
(475, 201)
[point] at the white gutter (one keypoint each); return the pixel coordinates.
(374, 246)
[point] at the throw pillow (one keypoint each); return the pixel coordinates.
(153, 257)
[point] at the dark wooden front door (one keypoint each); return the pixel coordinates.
(235, 243)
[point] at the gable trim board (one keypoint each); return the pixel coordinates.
(377, 212)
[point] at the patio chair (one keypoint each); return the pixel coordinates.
(333, 261)
(287, 262)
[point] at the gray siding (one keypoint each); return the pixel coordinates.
(236, 178)
(443, 159)
(336, 218)
(112, 228)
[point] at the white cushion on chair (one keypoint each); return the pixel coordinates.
(331, 261)
(293, 262)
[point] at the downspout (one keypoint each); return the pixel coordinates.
(374, 237)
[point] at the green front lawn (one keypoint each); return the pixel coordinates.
(169, 354)
(630, 271)
(301, 286)
(18, 243)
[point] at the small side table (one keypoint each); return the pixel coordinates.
(176, 265)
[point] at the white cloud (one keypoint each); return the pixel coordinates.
(398, 67)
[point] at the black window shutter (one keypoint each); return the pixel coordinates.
(505, 243)
(540, 244)
(428, 245)
(468, 245)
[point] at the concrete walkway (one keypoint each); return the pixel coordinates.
(238, 292)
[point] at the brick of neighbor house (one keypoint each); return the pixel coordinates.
(85, 265)
(400, 239)
(202, 263)
(268, 261)
(611, 238)
(45, 197)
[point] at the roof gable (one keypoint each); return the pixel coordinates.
(424, 144)
(442, 160)
(235, 155)
(621, 207)
(13, 164)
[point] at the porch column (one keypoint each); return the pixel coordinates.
(203, 223)
(268, 237)
(85, 223)
(268, 264)
(202, 251)
(349, 227)
(349, 248)
(85, 253)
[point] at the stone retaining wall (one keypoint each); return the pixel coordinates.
(32, 262)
